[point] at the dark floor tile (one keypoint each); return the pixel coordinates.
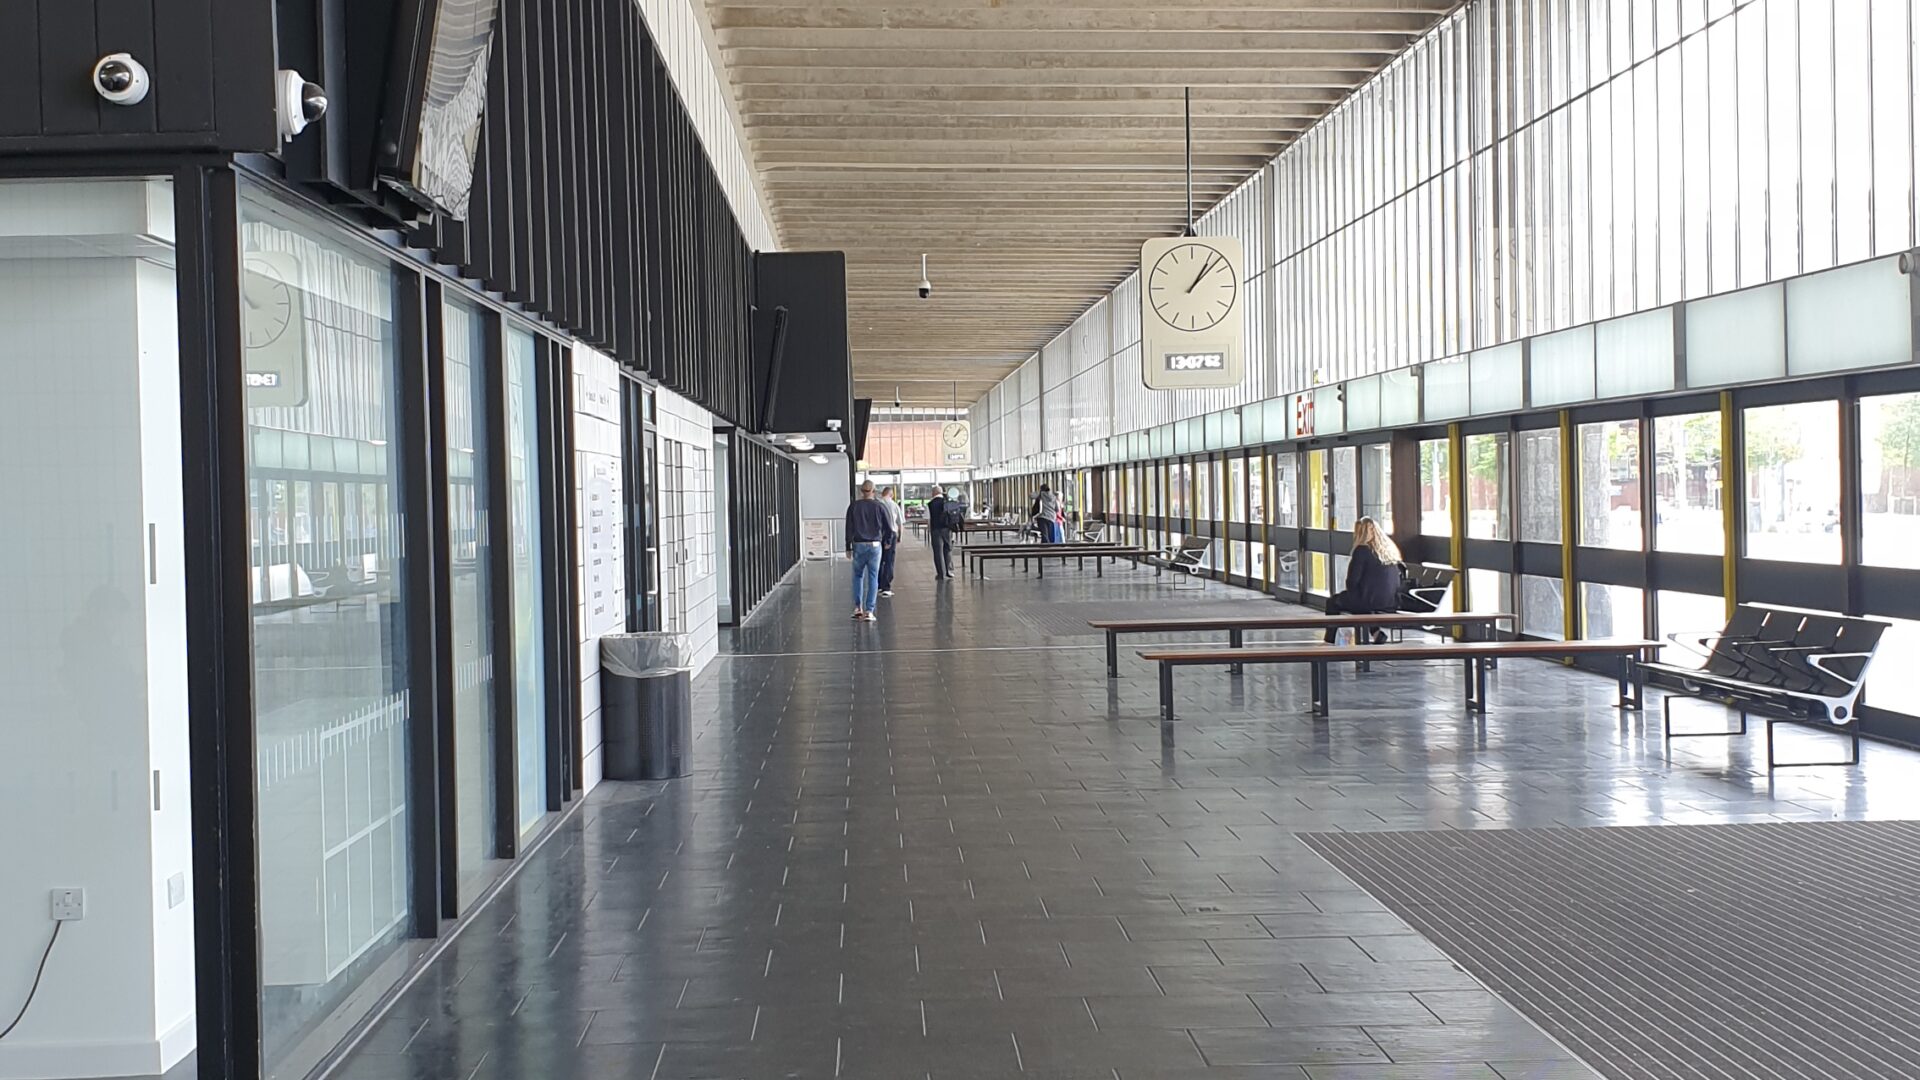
(1284, 1046)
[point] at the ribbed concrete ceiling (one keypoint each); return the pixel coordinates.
(1027, 146)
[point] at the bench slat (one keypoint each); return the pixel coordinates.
(1298, 622)
(1450, 650)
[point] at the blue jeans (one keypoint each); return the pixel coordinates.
(1052, 530)
(866, 576)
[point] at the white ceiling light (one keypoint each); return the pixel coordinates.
(817, 459)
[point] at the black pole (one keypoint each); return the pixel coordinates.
(1186, 97)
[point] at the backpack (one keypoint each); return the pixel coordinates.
(956, 517)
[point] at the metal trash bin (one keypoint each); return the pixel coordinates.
(646, 706)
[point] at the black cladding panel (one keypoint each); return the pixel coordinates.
(811, 381)
(48, 49)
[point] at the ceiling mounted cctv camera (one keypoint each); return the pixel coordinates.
(926, 287)
(297, 102)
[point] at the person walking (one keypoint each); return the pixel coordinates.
(1373, 577)
(898, 518)
(940, 534)
(1046, 514)
(869, 531)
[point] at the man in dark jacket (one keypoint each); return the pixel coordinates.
(869, 531)
(940, 533)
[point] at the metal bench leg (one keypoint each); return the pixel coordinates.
(1166, 692)
(1631, 684)
(1853, 740)
(1321, 691)
(1113, 655)
(1475, 686)
(1235, 638)
(1666, 722)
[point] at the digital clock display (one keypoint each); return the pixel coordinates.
(1195, 361)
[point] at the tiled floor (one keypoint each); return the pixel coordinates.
(947, 846)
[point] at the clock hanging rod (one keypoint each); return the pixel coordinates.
(1186, 102)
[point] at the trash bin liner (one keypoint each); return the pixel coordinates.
(646, 706)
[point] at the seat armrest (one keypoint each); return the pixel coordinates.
(1819, 663)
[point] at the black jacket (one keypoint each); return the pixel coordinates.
(937, 514)
(1372, 585)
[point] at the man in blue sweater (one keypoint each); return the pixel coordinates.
(869, 532)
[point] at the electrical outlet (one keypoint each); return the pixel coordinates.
(68, 904)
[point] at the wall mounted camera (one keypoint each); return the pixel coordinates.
(1909, 261)
(297, 102)
(833, 425)
(120, 79)
(926, 287)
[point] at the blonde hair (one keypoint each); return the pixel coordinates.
(1367, 533)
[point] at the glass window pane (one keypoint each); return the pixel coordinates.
(1634, 355)
(1686, 484)
(1542, 614)
(1286, 569)
(1346, 487)
(1257, 488)
(1487, 592)
(1495, 379)
(1446, 388)
(469, 502)
(1204, 482)
(1560, 367)
(1793, 482)
(1853, 317)
(1363, 404)
(1237, 488)
(1611, 611)
(528, 563)
(1286, 489)
(1739, 337)
(1436, 489)
(1539, 467)
(1609, 477)
(1896, 686)
(1317, 571)
(1890, 480)
(1488, 493)
(1687, 613)
(330, 672)
(1399, 398)
(1376, 483)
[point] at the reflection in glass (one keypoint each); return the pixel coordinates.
(1609, 479)
(1538, 462)
(1488, 495)
(1792, 457)
(1346, 487)
(1316, 489)
(469, 502)
(526, 563)
(1686, 484)
(330, 624)
(1317, 573)
(1890, 480)
(1376, 483)
(1542, 613)
(1436, 489)
(1286, 489)
(1610, 610)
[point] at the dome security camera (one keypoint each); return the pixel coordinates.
(120, 79)
(297, 102)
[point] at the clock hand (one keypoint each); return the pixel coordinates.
(1203, 272)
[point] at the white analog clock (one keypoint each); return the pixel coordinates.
(266, 302)
(954, 435)
(1192, 286)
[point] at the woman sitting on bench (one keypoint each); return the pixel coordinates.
(1373, 577)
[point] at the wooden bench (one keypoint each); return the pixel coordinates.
(1026, 549)
(1485, 626)
(1788, 666)
(1039, 554)
(1475, 653)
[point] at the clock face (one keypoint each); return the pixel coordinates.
(1192, 287)
(954, 435)
(266, 304)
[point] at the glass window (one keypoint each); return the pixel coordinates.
(331, 679)
(469, 502)
(1237, 550)
(1793, 481)
(1257, 564)
(1487, 592)
(1542, 614)
(1257, 488)
(1237, 488)
(1436, 489)
(1488, 494)
(1346, 487)
(1890, 480)
(1376, 483)
(1686, 613)
(1317, 573)
(1609, 477)
(1286, 569)
(1286, 489)
(1896, 686)
(1317, 498)
(1686, 484)
(1179, 483)
(1611, 611)
(1539, 468)
(1203, 485)
(527, 563)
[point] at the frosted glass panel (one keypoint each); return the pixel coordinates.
(1739, 337)
(1854, 317)
(1634, 355)
(1363, 403)
(1561, 367)
(1328, 417)
(1445, 388)
(1496, 380)
(1399, 397)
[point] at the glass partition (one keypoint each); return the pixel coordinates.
(1488, 491)
(1317, 497)
(1793, 481)
(1436, 488)
(1538, 463)
(1890, 480)
(1237, 489)
(1256, 488)
(1346, 488)
(1609, 479)
(1542, 607)
(1376, 483)
(1686, 484)
(1611, 610)
(1286, 489)
(528, 563)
